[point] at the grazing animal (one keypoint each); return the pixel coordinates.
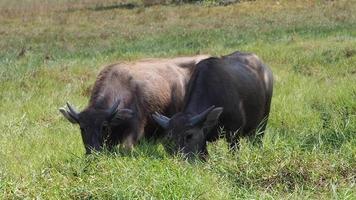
(232, 91)
(125, 95)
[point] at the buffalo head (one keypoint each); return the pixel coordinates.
(95, 124)
(187, 133)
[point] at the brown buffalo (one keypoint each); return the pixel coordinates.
(124, 97)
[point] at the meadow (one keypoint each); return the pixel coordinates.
(51, 52)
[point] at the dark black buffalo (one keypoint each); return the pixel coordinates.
(124, 97)
(233, 92)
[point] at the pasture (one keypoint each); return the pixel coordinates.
(51, 52)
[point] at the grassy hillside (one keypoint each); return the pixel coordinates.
(51, 52)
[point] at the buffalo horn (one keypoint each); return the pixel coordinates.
(72, 111)
(161, 120)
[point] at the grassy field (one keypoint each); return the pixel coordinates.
(51, 52)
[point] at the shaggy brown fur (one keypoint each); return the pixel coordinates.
(144, 86)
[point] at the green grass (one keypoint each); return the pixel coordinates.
(51, 52)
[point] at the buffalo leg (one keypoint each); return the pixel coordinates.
(260, 131)
(110, 142)
(257, 140)
(204, 154)
(136, 133)
(255, 137)
(233, 139)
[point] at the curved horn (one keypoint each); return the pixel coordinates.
(73, 112)
(200, 117)
(161, 120)
(68, 116)
(112, 111)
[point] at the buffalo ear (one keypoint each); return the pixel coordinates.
(120, 116)
(212, 118)
(68, 116)
(200, 118)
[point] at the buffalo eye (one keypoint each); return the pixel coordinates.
(105, 124)
(170, 134)
(189, 136)
(105, 128)
(205, 130)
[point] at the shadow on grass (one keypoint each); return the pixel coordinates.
(101, 7)
(129, 6)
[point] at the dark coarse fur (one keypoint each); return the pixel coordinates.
(241, 85)
(228, 82)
